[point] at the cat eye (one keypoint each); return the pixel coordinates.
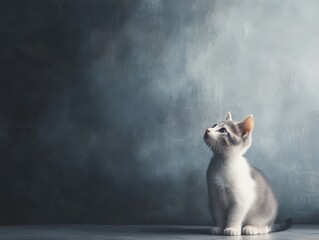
(222, 130)
(214, 125)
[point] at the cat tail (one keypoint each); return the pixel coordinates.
(281, 226)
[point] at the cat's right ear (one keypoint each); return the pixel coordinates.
(228, 117)
(247, 125)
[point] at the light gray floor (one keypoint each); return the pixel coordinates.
(63, 232)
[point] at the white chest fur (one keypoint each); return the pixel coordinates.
(234, 177)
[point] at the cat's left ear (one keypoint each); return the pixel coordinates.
(247, 125)
(228, 117)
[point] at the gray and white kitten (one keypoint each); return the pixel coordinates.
(241, 199)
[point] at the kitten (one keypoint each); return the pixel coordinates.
(241, 199)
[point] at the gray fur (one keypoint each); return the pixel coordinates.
(264, 210)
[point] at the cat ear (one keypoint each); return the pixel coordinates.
(247, 125)
(228, 117)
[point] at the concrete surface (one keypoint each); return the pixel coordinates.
(63, 232)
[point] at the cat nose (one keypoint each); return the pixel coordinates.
(207, 130)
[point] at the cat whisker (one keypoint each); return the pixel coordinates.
(209, 143)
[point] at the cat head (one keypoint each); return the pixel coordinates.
(228, 137)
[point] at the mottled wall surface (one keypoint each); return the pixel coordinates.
(104, 105)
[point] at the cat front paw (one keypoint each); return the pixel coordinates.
(232, 231)
(217, 230)
(250, 230)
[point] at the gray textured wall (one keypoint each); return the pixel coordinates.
(104, 105)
